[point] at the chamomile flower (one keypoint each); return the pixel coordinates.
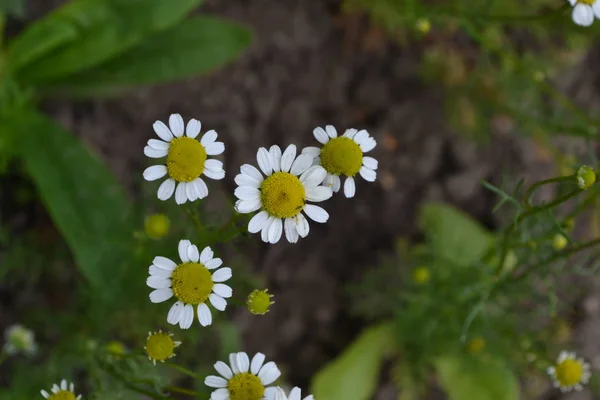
(191, 282)
(295, 394)
(160, 346)
(19, 340)
(584, 11)
(66, 391)
(187, 159)
(569, 372)
(244, 380)
(344, 156)
(290, 182)
(259, 301)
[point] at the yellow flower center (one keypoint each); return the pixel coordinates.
(245, 386)
(62, 395)
(191, 283)
(259, 302)
(421, 275)
(341, 155)
(157, 226)
(159, 346)
(185, 159)
(282, 195)
(589, 2)
(569, 372)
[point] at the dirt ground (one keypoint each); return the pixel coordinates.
(311, 65)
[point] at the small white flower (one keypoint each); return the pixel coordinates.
(65, 391)
(19, 340)
(344, 155)
(191, 282)
(290, 182)
(244, 380)
(584, 11)
(186, 159)
(569, 372)
(295, 394)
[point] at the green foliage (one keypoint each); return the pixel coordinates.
(15, 8)
(355, 372)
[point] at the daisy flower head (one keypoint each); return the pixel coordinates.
(191, 282)
(19, 340)
(295, 394)
(160, 346)
(243, 379)
(289, 181)
(344, 156)
(66, 391)
(584, 11)
(569, 372)
(186, 159)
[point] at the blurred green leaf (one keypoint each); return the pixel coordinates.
(86, 202)
(197, 45)
(103, 30)
(16, 8)
(453, 235)
(354, 374)
(470, 378)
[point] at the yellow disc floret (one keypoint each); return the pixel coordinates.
(160, 346)
(421, 275)
(589, 2)
(569, 372)
(62, 395)
(282, 195)
(245, 386)
(191, 283)
(259, 302)
(341, 156)
(185, 159)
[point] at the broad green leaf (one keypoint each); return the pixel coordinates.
(470, 378)
(453, 235)
(104, 29)
(354, 374)
(196, 46)
(86, 202)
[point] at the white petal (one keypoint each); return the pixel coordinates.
(215, 148)
(288, 157)
(223, 290)
(246, 180)
(248, 206)
(187, 317)
(213, 165)
(331, 132)
(206, 255)
(180, 195)
(192, 129)
(156, 282)
(368, 145)
(190, 191)
(350, 133)
(204, 315)
(257, 363)
(223, 369)
(370, 162)
(175, 313)
(275, 156)
(208, 138)
(45, 394)
(252, 172)
(302, 225)
(214, 263)
(318, 193)
(193, 253)
(200, 188)
(264, 161)
(154, 153)
(166, 189)
(301, 164)
(160, 295)
(337, 183)
(291, 233)
(221, 275)
(264, 233)
(361, 136)
(64, 385)
(247, 193)
(158, 144)
(216, 175)
(220, 394)
(233, 363)
(321, 135)
(316, 213)
(313, 176)
(217, 301)
(311, 151)
(257, 222)
(162, 131)
(349, 187)
(156, 271)
(243, 362)
(295, 394)
(583, 14)
(176, 124)
(155, 172)
(269, 373)
(215, 381)
(275, 231)
(182, 249)
(270, 392)
(164, 263)
(368, 174)
(596, 9)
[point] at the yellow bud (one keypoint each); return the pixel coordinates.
(586, 177)
(157, 226)
(259, 302)
(421, 275)
(423, 25)
(476, 345)
(115, 348)
(559, 242)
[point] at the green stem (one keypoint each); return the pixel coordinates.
(183, 370)
(129, 385)
(189, 392)
(537, 185)
(193, 215)
(3, 356)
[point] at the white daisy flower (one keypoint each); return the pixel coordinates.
(569, 372)
(65, 391)
(584, 11)
(281, 196)
(191, 282)
(187, 159)
(295, 394)
(245, 380)
(344, 155)
(19, 340)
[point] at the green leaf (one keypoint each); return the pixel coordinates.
(103, 30)
(354, 374)
(197, 45)
(453, 235)
(85, 201)
(470, 378)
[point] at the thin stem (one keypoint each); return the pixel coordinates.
(189, 392)
(537, 185)
(193, 215)
(183, 370)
